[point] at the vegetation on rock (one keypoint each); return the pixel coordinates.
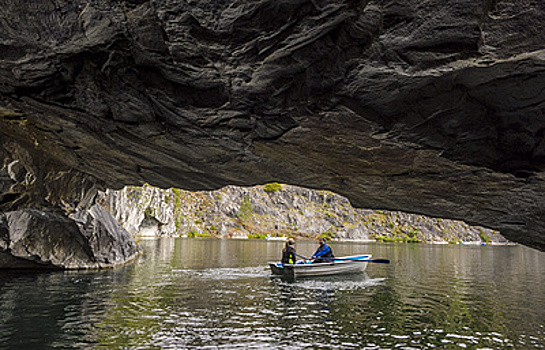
(272, 187)
(240, 212)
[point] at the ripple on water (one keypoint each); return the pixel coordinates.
(337, 284)
(455, 301)
(225, 273)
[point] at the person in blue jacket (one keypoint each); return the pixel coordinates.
(323, 253)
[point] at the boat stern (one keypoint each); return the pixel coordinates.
(276, 268)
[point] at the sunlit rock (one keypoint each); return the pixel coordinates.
(276, 210)
(431, 107)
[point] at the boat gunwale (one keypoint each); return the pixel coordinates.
(306, 269)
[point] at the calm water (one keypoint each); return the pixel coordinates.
(218, 294)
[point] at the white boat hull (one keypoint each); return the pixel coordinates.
(340, 265)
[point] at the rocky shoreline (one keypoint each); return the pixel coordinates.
(54, 221)
(274, 210)
(430, 107)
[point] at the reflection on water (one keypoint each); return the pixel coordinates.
(219, 294)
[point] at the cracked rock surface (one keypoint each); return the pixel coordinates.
(433, 107)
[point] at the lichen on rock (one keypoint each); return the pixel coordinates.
(273, 210)
(432, 107)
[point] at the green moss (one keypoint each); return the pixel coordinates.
(195, 234)
(177, 199)
(413, 232)
(246, 210)
(177, 191)
(149, 211)
(397, 231)
(485, 238)
(178, 223)
(272, 187)
(328, 235)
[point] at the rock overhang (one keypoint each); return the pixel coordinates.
(431, 107)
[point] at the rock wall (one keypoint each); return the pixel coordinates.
(273, 210)
(49, 218)
(426, 106)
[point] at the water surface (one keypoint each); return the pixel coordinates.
(218, 294)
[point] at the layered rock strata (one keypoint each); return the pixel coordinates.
(276, 210)
(431, 106)
(49, 219)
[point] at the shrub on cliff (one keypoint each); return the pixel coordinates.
(246, 210)
(272, 187)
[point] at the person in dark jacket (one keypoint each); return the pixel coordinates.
(323, 253)
(288, 253)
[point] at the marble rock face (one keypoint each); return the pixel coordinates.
(49, 219)
(432, 107)
(41, 239)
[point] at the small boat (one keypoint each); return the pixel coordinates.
(276, 238)
(473, 243)
(304, 268)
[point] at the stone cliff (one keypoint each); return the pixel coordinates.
(433, 106)
(276, 210)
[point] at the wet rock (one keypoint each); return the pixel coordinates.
(50, 219)
(431, 107)
(44, 239)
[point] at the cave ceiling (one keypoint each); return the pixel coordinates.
(432, 107)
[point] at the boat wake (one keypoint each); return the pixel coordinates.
(227, 273)
(338, 283)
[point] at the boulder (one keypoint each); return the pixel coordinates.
(432, 107)
(32, 238)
